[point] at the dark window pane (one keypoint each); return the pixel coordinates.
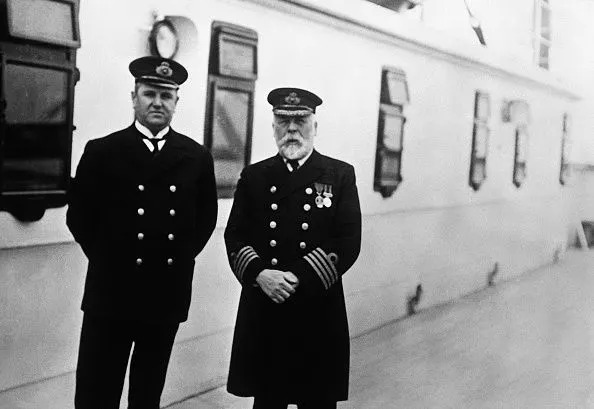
(522, 145)
(230, 127)
(479, 171)
(390, 167)
(43, 20)
(544, 56)
(35, 95)
(34, 158)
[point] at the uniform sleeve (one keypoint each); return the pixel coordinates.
(322, 267)
(245, 263)
(206, 205)
(81, 217)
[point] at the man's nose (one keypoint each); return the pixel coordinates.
(293, 125)
(157, 100)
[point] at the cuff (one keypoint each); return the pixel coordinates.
(247, 265)
(317, 270)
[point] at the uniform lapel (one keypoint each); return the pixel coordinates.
(311, 171)
(134, 151)
(172, 152)
(142, 160)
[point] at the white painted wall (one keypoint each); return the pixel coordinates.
(434, 230)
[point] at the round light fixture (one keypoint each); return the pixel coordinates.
(163, 40)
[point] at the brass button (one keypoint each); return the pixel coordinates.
(272, 243)
(274, 206)
(172, 212)
(305, 226)
(140, 236)
(308, 191)
(138, 261)
(170, 236)
(273, 224)
(272, 189)
(140, 211)
(141, 188)
(274, 262)
(172, 188)
(169, 261)
(306, 207)
(302, 245)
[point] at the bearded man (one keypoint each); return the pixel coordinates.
(293, 231)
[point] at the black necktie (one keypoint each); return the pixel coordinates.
(154, 142)
(293, 163)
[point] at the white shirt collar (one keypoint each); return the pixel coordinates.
(146, 132)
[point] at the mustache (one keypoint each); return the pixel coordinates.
(288, 138)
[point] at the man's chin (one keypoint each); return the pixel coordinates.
(293, 153)
(156, 123)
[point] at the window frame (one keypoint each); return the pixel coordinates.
(220, 77)
(479, 123)
(565, 169)
(389, 105)
(521, 147)
(15, 31)
(539, 39)
(29, 204)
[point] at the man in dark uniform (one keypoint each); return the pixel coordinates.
(293, 231)
(142, 206)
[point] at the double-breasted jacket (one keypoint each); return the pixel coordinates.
(141, 220)
(307, 222)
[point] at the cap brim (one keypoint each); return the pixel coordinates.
(157, 82)
(286, 112)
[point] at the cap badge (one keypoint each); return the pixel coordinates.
(292, 99)
(164, 69)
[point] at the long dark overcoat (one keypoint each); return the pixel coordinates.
(141, 219)
(299, 349)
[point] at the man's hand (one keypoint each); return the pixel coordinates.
(277, 284)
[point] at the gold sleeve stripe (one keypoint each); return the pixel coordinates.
(244, 256)
(315, 264)
(327, 262)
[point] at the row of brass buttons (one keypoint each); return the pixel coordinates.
(273, 224)
(139, 261)
(172, 188)
(141, 212)
(170, 236)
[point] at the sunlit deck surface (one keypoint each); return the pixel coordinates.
(525, 343)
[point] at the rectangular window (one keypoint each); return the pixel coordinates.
(37, 78)
(48, 107)
(520, 117)
(388, 160)
(542, 33)
(565, 171)
(480, 140)
(230, 101)
(36, 143)
(49, 21)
